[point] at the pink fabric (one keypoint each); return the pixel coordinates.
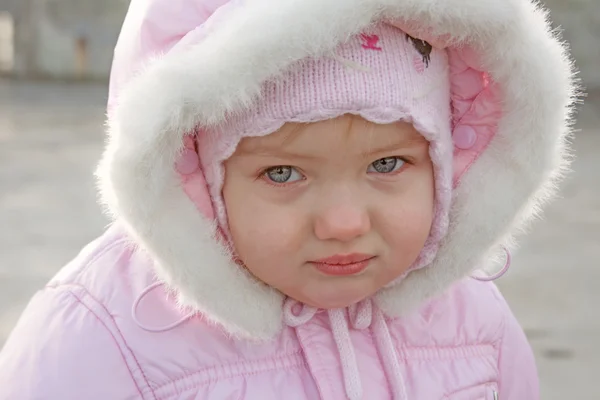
(192, 178)
(152, 28)
(476, 109)
(77, 339)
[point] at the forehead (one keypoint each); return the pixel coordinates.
(347, 132)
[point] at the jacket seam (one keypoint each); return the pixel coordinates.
(500, 343)
(211, 374)
(195, 388)
(501, 331)
(89, 261)
(371, 336)
(424, 353)
(326, 371)
(118, 345)
(207, 382)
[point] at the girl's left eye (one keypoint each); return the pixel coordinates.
(283, 174)
(386, 165)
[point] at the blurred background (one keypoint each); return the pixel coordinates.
(55, 58)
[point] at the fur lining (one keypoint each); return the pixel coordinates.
(198, 85)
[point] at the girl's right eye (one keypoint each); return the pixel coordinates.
(283, 174)
(386, 165)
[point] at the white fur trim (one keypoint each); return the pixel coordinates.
(198, 85)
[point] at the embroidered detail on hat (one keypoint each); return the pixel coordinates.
(370, 42)
(423, 47)
(419, 64)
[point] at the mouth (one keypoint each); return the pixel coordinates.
(343, 264)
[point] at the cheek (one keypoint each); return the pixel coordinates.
(265, 236)
(407, 221)
(407, 225)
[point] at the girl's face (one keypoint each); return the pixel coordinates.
(330, 212)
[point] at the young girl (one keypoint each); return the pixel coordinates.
(305, 194)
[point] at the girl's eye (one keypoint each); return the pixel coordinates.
(386, 165)
(283, 174)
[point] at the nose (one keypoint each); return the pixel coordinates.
(343, 222)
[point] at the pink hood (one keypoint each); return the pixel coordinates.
(183, 64)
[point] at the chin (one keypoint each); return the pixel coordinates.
(335, 299)
(332, 293)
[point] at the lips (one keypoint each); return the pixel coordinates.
(343, 259)
(343, 264)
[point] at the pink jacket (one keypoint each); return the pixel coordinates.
(85, 337)
(157, 308)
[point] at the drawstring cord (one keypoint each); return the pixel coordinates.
(341, 336)
(500, 273)
(361, 316)
(149, 328)
(383, 341)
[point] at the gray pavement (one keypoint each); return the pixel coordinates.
(51, 136)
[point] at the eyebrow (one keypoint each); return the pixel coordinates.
(405, 143)
(277, 152)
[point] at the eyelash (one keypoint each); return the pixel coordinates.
(263, 172)
(401, 168)
(263, 175)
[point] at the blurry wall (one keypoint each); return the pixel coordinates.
(64, 38)
(75, 38)
(580, 22)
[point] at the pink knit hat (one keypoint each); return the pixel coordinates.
(382, 75)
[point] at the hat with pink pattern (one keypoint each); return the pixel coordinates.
(384, 76)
